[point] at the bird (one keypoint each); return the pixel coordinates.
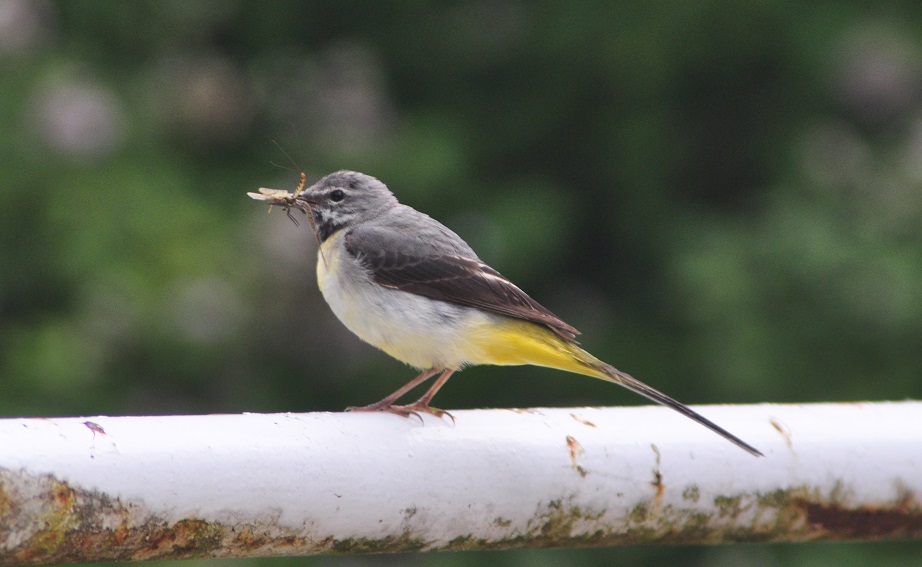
(410, 286)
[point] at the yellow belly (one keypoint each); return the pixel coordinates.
(510, 342)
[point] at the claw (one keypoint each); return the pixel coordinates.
(408, 410)
(417, 407)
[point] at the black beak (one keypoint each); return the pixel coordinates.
(307, 199)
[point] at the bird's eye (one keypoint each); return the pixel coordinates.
(337, 195)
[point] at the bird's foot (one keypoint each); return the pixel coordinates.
(408, 410)
(420, 407)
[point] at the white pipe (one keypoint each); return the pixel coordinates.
(126, 488)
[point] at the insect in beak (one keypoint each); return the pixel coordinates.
(289, 201)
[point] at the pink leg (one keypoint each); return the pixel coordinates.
(439, 382)
(388, 402)
(422, 404)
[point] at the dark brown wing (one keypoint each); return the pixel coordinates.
(450, 278)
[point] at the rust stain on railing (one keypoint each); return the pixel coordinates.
(44, 520)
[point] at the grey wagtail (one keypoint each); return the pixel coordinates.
(408, 285)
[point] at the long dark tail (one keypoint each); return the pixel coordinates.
(523, 342)
(612, 374)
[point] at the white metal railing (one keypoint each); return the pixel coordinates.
(134, 488)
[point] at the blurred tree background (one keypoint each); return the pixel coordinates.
(725, 197)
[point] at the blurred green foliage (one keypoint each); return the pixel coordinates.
(726, 197)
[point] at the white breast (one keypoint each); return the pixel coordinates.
(422, 332)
